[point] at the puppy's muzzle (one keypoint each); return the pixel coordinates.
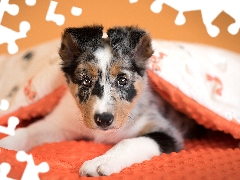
(103, 120)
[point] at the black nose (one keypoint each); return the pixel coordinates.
(104, 119)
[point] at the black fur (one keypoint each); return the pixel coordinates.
(87, 38)
(166, 143)
(124, 40)
(127, 93)
(83, 94)
(133, 44)
(77, 42)
(139, 69)
(98, 89)
(131, 93)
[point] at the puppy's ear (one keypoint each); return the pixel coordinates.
(76, 41)
(132, 42)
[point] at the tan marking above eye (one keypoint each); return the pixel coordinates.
(91, 69)
(115, 69)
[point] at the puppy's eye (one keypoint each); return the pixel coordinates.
(122, 81)
(86, 82)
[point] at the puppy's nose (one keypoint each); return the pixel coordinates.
(104, 119)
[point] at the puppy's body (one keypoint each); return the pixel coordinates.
(109, 100)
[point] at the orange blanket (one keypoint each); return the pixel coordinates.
(216, 156)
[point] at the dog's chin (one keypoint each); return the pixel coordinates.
(106, 130)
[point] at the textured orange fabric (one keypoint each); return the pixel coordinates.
(193, 109)
(215, 156)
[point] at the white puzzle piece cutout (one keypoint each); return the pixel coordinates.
(12, 9)
(4, 105)
(133, 1)
(209, 10)
(30, 2)
(8, 35)
(12, 123)
(4, 170)
(76, 11)
(59, 19)
(31, 171)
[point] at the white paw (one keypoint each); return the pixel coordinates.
(122, 155)
(100, 166)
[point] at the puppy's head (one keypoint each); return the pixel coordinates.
(105, 75)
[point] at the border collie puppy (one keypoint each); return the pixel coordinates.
(109, 101)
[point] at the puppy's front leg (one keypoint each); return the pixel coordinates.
(122, 155)
(63, 123)
(27, 138)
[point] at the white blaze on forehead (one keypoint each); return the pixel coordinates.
(104, 56)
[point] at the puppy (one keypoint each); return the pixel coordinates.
(109, 101)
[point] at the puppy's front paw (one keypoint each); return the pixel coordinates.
(100, 166)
